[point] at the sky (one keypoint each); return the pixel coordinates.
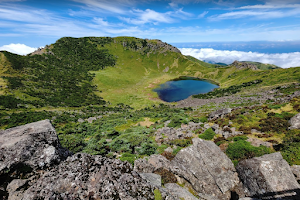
(28, 24)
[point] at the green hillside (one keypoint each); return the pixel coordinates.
(98, 94)
(81, 71)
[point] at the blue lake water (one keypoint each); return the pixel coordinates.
(173, 91)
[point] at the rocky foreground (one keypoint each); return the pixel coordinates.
(33, 165)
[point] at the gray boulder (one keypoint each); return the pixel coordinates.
(206, 168)
(84, 176)
(28, 148)
(268, 176)
(219, 113)
(179, 192)
(295, 122)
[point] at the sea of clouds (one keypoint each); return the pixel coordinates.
(284, 60)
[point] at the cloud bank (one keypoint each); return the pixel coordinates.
(284, 60)
(20, 49)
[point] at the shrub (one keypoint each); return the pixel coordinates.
(208, 134)
(238, 138)
(161, 148)
(128, 157)
(147, 148)
(177, 120)
(181, 142)
(242, 149)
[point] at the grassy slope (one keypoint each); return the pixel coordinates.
(137, 72)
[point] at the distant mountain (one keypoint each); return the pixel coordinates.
(95, 70)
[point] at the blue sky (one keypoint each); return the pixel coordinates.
(36, 23)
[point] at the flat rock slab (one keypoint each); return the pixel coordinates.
(268, 176)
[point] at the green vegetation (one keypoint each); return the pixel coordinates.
(157, 195)
(208, 134)
(111, 80)
(242, 149)
(227, 91)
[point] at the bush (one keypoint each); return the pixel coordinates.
(181, 142)
(177, 120)
(238, 138)
(128, 157)
(208, 134)
(242, 149)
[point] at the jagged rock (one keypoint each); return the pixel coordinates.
(25, 149)
(179, 192)
(153, 163)
(84, 176)
(153, 179)
(219, 113)
(296, 171)
(268, 176)
(206, 168)
(295, 122)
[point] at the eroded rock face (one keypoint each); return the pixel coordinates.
(295, 122)
(84, 176)
(268, 176)
(206, 168)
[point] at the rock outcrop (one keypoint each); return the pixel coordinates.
(27, 149)
(268, 177)
(206, 168)
(84, 176)
(202, 166)
(244, 65)
(295, 122)
(167, 134)
(219, 113)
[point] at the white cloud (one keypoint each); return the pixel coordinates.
(284, 60)
(148, 16)
(264, 14)
(114, 6)
(20, 49)
(203, 14)
(270, 6)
